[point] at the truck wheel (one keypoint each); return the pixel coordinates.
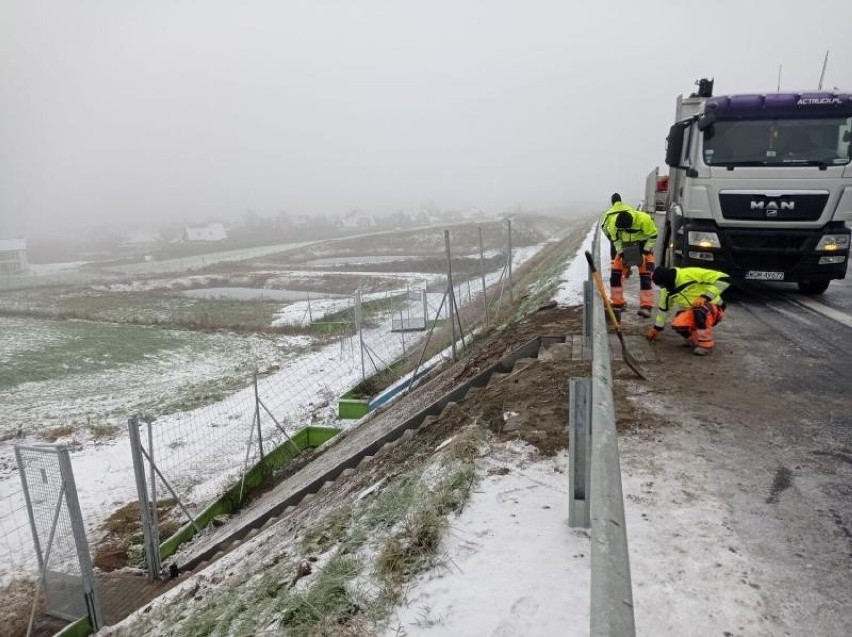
(817, 286)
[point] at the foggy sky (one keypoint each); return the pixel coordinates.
(156, 110)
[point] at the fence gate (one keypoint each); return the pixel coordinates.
(65, 569)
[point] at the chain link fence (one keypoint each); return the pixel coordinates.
(404, 311)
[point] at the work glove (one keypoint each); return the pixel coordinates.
(701, 301)
(653, 332)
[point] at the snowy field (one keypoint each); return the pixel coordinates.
(200, 449)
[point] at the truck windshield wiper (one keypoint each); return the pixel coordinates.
(730, 165)
(809, 162)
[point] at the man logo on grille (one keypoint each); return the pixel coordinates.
(772, 207)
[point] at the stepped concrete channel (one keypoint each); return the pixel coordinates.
(344, 453)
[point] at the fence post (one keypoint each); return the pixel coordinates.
(153, 474)
(257, 415)
(149, 531)
(87, 574)
(580, 450)
(509, 223)
(452, 297)
(358, 324)
(482, 275)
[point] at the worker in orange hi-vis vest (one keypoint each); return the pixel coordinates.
(634, 235)
(696, 295)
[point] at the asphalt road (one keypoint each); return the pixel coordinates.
(748, 485)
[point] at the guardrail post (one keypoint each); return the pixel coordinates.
(580, 451)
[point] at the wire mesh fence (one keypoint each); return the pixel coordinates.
(65, 572)
(412, 305)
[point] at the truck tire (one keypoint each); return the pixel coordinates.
(815, 286)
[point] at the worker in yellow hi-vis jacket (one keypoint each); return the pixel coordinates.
(633, 234)
(696, 295)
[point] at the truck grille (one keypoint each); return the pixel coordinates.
(767, 250)
(797, 206)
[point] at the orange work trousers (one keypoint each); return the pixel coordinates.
(696, 324)
(616, 282)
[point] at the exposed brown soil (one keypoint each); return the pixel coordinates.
(123, 529)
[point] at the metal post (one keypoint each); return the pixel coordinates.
(310, 313)
(151, 547)
(153, 480)
(87, 574)
(257, 416)
(509, 222)
(402, 325)
(482, 275)
(358, 322)
(424, 295)
(580, 450)
(451, 305)
(33, 528)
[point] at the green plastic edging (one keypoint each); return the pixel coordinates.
(228, 502)
(79, 628)
(353, 408)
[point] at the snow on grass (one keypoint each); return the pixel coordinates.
(202, 449)
(513, 566)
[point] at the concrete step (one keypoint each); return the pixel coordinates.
(365, 460)
(269, 522)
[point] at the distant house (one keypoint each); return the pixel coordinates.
(13, 256)
(210, 232)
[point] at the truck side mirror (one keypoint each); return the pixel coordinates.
(674, 144)
(706, 121)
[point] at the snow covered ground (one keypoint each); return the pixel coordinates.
(202, 450)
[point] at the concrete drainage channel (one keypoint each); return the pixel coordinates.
(346, 455)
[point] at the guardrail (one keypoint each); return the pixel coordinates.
(596, 498)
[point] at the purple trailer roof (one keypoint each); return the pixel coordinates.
(768, 104)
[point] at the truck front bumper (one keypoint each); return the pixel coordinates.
(769, 254)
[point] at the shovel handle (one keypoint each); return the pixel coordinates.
(599, 284)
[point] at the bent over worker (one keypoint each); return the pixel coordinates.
(634, 235)
(696, 294)
(608, 219)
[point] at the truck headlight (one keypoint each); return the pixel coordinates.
(703, 239)
(833, 242)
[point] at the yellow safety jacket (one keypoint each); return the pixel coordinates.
(690, 283)
(642, 229)
(608, 219)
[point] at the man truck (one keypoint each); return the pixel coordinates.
(759, 186)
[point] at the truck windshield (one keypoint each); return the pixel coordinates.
(775, 142)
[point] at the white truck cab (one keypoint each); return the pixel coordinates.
(760, 186)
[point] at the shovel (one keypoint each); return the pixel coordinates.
(627, 356)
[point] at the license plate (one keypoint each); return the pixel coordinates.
(760, 275)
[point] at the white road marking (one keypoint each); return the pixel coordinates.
(830, 312)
